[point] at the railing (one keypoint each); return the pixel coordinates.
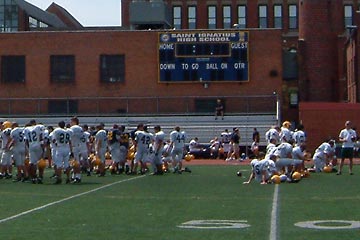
(131, 106)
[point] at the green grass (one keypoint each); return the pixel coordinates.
(152, 207)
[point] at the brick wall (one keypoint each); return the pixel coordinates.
(141, 63)
(324, 120)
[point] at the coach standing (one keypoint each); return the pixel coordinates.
(348, 138)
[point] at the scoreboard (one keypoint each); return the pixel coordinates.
(203, 56)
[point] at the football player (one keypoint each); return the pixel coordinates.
(18, 150)
(177, 146)
(100, 147)
(124, 148)
(141, 142)
(299, 135)
(6, 164)
(114, 135)
(158, 146)
(61, 137)
(272, 135)
(323, 155)
(262, 170)
(77, 135)
(225, 142)
(285, 133)
(33, 134)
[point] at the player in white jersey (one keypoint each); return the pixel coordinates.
(298, 152)
(166, 158)
(77, 134)
(284, 161)
(62, 139)
(348, 138)
(18, 150)
(142, 143)
(285, 133)
(323, 155)
(299, 135)
(272, 135)
(177, 142)
(6, 165)
(225, 142)
(85, 150)
(34, 141)
(158, 147)
(262, 170)
(100, 147)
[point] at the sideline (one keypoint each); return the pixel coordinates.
(66, 199)
(274, 215)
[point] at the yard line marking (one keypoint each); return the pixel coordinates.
(68, 198)
(274, 214)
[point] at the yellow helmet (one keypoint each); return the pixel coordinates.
(42, 163)
(7, 124)
(296, 176)
(327, 169)
(276, 179)
(286, 124)
(96, 161)
(188, 157)
(75, 163)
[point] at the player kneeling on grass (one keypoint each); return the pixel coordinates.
(262, 170)
(323, 155)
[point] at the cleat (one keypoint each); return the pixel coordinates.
(76, 181)
(68, 181)
(39, 181)
(58, 181)
(16, 180)
(8, 176)
(187, 170)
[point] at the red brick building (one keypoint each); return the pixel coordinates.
(302, 50)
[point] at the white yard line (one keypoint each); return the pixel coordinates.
(274, 215)
(66, 199)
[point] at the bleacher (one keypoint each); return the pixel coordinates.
(205, 127)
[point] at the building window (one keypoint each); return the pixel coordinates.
(62, 68)
(212, 17)
(242, 16)
(277, 16)
(348, 19)
(13, 69)
(226, 16)
(9, 16)
(177, 17)
(112, 68)
(263, 21)
(34, 23)
(192, 17)
(293, 20)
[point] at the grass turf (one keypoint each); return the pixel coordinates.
(153, 207)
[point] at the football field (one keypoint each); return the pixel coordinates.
(209, 203)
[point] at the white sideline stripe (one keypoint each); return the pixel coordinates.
(66, 199)
(274, 214)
